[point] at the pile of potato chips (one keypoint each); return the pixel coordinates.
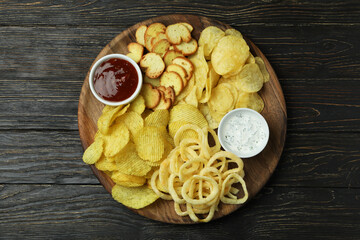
(226, 76)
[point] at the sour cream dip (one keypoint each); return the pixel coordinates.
(243, 132)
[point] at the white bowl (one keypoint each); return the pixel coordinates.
(243, 132)
(120, 56)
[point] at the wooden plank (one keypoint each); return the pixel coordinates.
(63, 53)
(82, 212)
(309, 159)
(43, 157)
(112, 12)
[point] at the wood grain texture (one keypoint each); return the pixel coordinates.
(258, 169)
(83, 212)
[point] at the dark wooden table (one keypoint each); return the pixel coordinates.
(46, 49)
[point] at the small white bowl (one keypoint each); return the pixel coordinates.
(120, 56)
(238, 125)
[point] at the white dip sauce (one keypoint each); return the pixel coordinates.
(244, 133)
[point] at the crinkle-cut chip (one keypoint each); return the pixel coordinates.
(229, 55)
(209, 37)
(261, 64)
(107, 118)
(150, 144)
(129, 162)
(136, 198)
(189, 133)
(127, 180)
(158, 118)
(234, 32)
(93, 153)
(167, 149)
(250, 100)
(204, 109)
(188, 113)
(105, 164)
(251, 78)
(166, 135)
(133, 121)
(138, 105)
(221, 100)
(116, 139)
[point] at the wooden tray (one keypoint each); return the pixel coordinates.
(258, 169)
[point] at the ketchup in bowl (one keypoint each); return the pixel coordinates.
(115, 79)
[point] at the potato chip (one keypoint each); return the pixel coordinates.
(187, 113)
(222, 99)
(263, 70)
(201, 70)
(136, 198)
(133, 121)
(229, 55)
(138, 105)
(150, 144)
(204, 109)
(250, 100)
(157, 118)
(175, 126)
(209, 37)
(233, 32)
(167, 149)
(251, 78)
(186, 90)
(105, 164)
(250, 59)
(117, 138)
(192, 98)
(164, 132)
(127, 180)
(129, 162)
(93, 153)
(107, 118)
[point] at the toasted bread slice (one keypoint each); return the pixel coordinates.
(165, 103)
(188, 26)
(155, 82)
(180, 70)
(161, 47)
(136, 51)
(187, 48)
(172, 79)
(186, 64)
(140, 34)
(178, 33)
(168, 91)
(151, 32)
(159, 36)
(151, 95)
(170, 55)
(153, 65)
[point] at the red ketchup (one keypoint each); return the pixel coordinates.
(115, 80)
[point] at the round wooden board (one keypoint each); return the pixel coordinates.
(258, 169)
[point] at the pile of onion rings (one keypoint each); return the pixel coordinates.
(197, 177)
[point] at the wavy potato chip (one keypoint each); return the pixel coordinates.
(127, 180)
(251, 78)
(134, 197)
(105, 164)
(108, 116)
(116, 139)
(187, 113)
(133, 121)
(93, 153)
(229, 55)
(158, 118)
(138, 105)
(129, 162)
(149, 143)
(175, 126)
